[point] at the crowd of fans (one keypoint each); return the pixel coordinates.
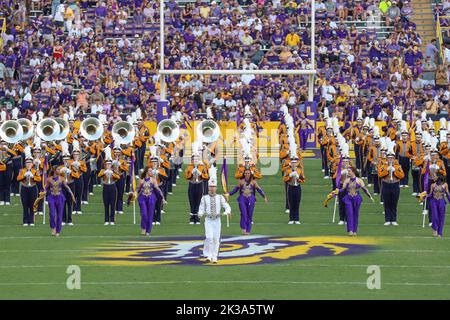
(103, 57)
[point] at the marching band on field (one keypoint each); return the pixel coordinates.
(52, 161)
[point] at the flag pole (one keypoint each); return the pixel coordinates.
(43, 187)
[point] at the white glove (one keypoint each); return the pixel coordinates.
(109, 172)
(427, 157)
(115, 162)
(37, 161)
(344, 172)
(434, 166)
(196, 171)
(76, 164)
(28, 174)
(292, 174)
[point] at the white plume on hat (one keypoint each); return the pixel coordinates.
(335, 126)
(157, 138)
(433, 143)
(283, 109)
(443, 136)
(426, 138)
(76, 145)
(153, 151)
(196, 145)
(430, 124)
(418, 126)
(102, 118)
(442, 124)
(37, 142)
(403, 127)
(292, 148)
(108, 154)
(360, 114)
(372, 122)
(34, 118)
(212, 171)
(390, 146)
(71, 113)
(138, 114)
(66, 116)
(246, 148)
(366, 122)
(326, 113)
(3, 116)
(376, 132)
(14, 113)
(65, 148)
(27, 152)
(423, 116)
(209, 114)
(345, 150)
(40, 115)
(247, 110)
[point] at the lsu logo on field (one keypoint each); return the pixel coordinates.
(238, 250)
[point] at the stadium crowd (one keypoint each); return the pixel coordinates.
(103, 57)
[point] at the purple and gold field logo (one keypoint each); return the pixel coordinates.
(239, 250)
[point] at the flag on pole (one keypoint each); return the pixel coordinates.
(224, 176)
(426, 177)
(338, 173)
(131, 197)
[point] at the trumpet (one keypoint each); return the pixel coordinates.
(11, 131)
(168, 130)
(91, 129)
(123, 132)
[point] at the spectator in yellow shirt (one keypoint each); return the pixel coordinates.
(205, 11)
(345, 88)
(384, 6)
(292, 39)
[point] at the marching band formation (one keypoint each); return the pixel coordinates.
(51, 161)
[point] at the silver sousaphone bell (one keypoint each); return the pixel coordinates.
(11, 131)
(168, 130)
(27, 127)
(91, 129)
(208, 131)
(64, 128)
(47, 129)
(123, 132)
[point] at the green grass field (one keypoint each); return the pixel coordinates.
(413, 264)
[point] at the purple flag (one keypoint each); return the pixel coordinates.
(426, 177)
(224, 176)
(338, 174)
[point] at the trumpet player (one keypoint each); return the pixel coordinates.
(402, 147)
(294, 177)
(5, 174)
(415, 153)
(86, 176)
(109, 178)
(120, 167)
(78, 168)
(38, 164)
(195, 173)
(28, 177)
(373, 159)
(390, 173)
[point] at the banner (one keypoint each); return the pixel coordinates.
(162, 110)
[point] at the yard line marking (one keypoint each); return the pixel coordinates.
(228, 282)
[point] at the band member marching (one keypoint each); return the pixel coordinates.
(373, 159)
(160, 176)
(438, 191)
(6, 169)
(78, 168)
(210, 207)
(28, 177)
(66, 171)
(147, 189)
(196, 173)
(416, 152)
(390, 173)
(402, 147)
(294, 176)
(38, 164)
(121, 168)
(109, 178)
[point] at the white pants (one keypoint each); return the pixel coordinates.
(212, 241)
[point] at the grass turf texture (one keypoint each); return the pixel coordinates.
(414, 265)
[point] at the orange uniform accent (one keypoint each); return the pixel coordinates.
(202, 168)
(288, 171)
(21, 175)
(383, 170)
(241, 168)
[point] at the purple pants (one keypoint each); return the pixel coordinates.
(147, 205)
(246, 206)
(303, 138)
(438, 215)
(56, 208)
(352, 205)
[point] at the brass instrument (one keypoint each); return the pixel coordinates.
(91, 129)
(64, 129)
(208, 131)
(11, 131)
(168, 130)
(47, 129)
(123, 132)
(27, 128)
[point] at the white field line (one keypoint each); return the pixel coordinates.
(121, 283)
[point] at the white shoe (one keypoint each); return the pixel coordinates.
(414, 194)
(252, 222)
(375, 194)
(421, 203)
(286, 211)
(63, 223)
(170, 192)
(174, 185)
(162, 211)
(25, 224)
(381, 202)
(70, 223)
(112, 224)
(2, 203)
(405, 186)
(178, 177)
(7, 203)
(323, 170)
(91, 193)
(340, 223)
(11, 194)
(179, 170)
(106, 224)
(191, 222)
(158, 223)
(387, 223)
(394, 223)
(31, 224)
(326, 177)
(430, 224)
(154, 223)
(17, 194)
(40, 213)
(369, 185)
(79, 212)
(214, 260)
(297, 222)
(291, 222)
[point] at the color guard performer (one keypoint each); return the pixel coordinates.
(147, 191)
(109, 178)
(28, 177)
(196, 173)
(390, 173)
(160, 176)
(66, 171)
(438, 191)
(210, 207)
